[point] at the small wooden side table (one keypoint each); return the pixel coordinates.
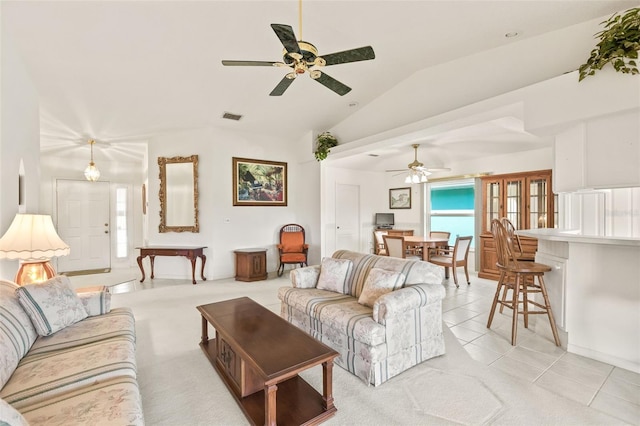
(251, 264)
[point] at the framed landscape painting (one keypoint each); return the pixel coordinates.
(400, 198)
(259, 182)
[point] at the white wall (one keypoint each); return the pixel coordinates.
(19, 143)
(248, 226)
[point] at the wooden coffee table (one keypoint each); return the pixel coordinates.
(258, 354)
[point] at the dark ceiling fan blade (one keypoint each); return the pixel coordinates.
(282, 86)
(333, 84)
(287, 38)
(249, 63)
(354, 55)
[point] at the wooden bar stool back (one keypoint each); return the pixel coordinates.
(515, 239)
(520, 277)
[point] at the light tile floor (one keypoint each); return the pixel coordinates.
(535, 358)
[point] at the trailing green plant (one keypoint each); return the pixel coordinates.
(324, 142)
(619, 44)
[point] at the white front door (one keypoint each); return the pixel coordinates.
(83, 223)
(347, 217)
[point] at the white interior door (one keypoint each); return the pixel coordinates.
(347, 217)
(83, 223)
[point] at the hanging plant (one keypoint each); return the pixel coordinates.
(619, 44)
(324, 142)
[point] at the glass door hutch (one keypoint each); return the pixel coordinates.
(526, 200)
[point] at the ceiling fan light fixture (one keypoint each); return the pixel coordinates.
(417, 176)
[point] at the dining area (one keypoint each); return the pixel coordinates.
(434, 247)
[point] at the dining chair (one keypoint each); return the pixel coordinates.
(519, 277)
(437, 234)
(380, 250)
(454, 257)
(395, 246)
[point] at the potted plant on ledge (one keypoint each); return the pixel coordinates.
(619, 44)
(324, 142)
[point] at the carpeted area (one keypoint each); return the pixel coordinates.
(180, 387)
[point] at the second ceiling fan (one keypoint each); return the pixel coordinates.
(417, 171)
(301, 56)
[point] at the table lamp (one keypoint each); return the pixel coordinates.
(33, 240)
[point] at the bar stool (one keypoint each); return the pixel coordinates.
(520, 277)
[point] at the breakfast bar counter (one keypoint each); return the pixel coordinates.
(594, 289)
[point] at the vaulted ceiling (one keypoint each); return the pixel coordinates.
(120, 71)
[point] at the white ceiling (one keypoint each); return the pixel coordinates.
(122, 71)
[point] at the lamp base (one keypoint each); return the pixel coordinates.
(34, 272)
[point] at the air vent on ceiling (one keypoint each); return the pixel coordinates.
(230, 116)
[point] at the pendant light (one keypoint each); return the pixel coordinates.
(91, 172)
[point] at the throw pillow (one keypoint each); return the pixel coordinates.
(51, 305)
(333, 273)
(10, 416)
(379, 282)
(96, 299)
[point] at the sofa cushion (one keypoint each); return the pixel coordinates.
(112, 402)
(51, 305)
(17, 333)
(43, 376)
(10, 416)
(333, 274)
(339, 312)
(379, 282)
(117, 323)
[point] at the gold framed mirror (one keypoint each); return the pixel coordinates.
(178, 194)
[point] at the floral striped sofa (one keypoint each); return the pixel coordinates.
(382, 314)
(82, 374)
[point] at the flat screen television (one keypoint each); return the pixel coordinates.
(384, 220)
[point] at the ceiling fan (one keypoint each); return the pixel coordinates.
(301, 56)
(417, 171)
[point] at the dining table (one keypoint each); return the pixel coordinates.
(425, 242)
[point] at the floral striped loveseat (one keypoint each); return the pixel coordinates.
(82, 374)
(382, 314)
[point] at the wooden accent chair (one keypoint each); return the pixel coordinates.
(380, 250)
(292, 247)
(454, 257)
(395, 246)
(519, 276)
(437, 234)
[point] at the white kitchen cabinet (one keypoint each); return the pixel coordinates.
(603, 152)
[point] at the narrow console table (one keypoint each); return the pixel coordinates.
(191, 253)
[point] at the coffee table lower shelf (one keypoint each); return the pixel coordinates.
(297, 402)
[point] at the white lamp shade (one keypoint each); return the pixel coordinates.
(32, 237)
